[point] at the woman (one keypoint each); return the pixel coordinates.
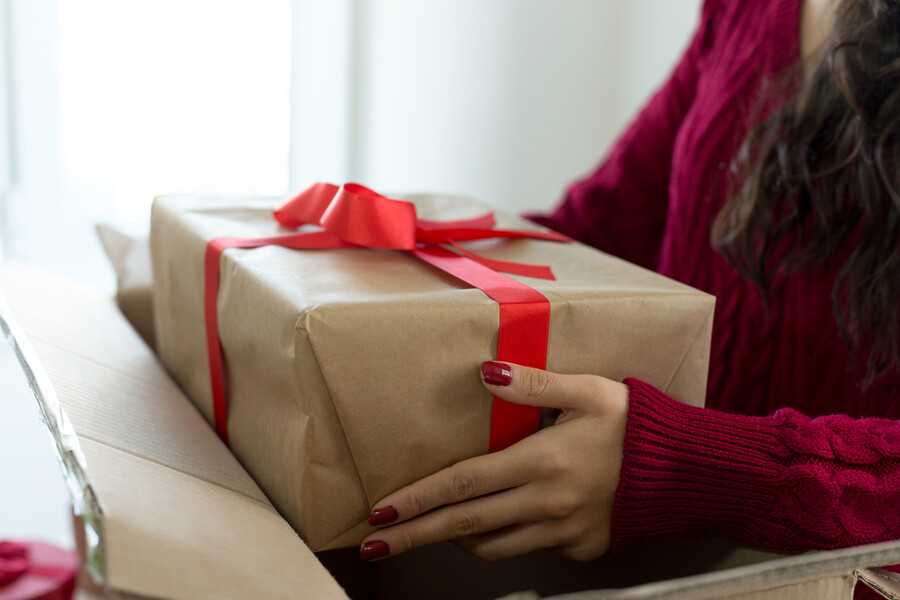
(763, 172)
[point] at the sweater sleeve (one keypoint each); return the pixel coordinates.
(621, 207)
(785, 482)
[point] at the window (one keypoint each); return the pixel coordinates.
(117, 102)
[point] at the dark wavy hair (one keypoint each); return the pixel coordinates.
(822, 172)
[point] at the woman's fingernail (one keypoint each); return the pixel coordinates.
(374, 549)
(383, 516)
(496, 373)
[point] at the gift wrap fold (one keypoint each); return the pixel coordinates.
(352, 372)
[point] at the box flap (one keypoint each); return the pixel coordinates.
(884, 582)
(171, 512)
(810, 576)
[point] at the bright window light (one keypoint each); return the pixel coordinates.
(171, 96)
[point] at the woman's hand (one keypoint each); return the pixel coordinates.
(553, 490)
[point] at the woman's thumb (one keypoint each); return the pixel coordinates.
(533, 387)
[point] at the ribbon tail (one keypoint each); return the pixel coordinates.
(504, 266)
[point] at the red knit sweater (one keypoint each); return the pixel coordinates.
(785, 481)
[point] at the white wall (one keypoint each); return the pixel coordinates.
(33, 209)
(506, 100)
(112, 103)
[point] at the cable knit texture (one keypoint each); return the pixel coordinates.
(787, 481)
(752, 469)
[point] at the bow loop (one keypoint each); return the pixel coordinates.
(307, 207)
(366, 218)
(353, 213)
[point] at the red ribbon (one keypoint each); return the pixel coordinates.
(36, 570)
(13, 561)
(355, 216)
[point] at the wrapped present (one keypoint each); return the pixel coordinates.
(36, 571)
(345, 371)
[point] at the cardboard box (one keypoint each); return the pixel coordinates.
(170, 514)
(320, 348)
(168, 510)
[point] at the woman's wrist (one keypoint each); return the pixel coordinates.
(690, 471)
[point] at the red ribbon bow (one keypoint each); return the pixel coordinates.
(355, 216)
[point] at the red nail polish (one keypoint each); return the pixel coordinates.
(374, 549)
(496, 373)
(383, 516)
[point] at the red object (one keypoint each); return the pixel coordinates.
(786, 481)
(374, 549)
(496, 373)
(354, 216)
(782, 481)
(36, 571)
(383, 516)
